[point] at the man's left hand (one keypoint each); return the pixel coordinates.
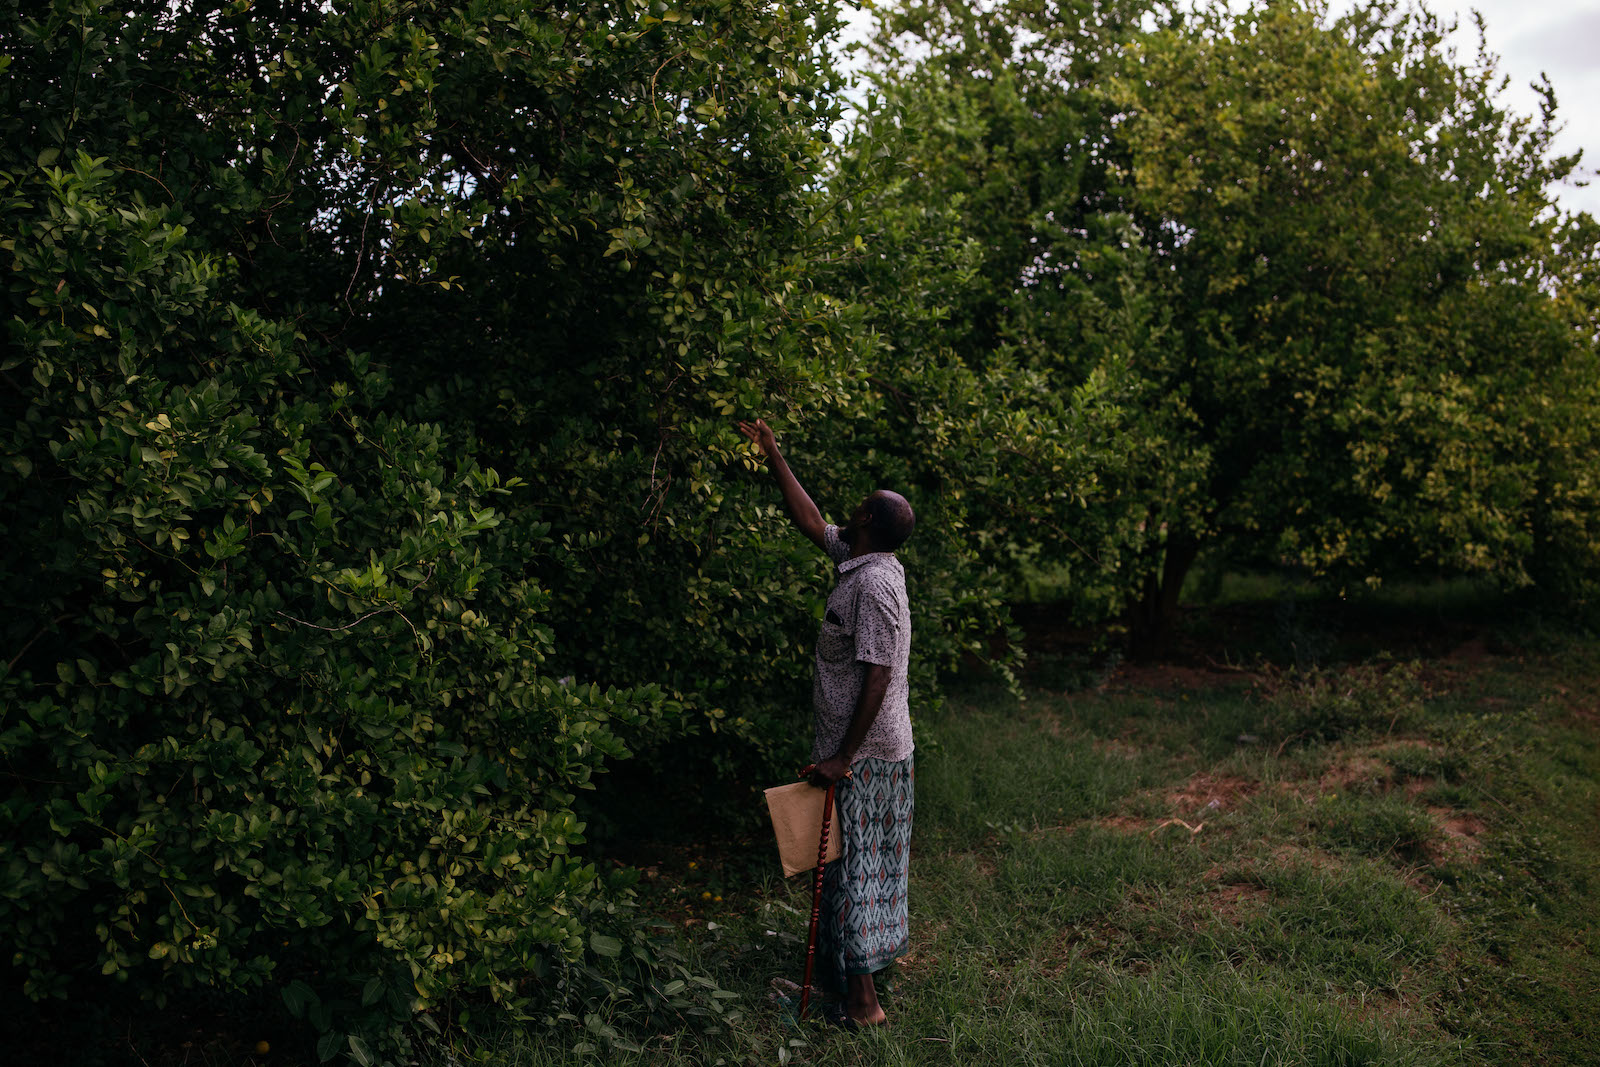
(829, 771)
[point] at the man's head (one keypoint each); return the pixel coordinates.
(884, 519)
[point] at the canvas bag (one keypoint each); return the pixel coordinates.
(796, 811)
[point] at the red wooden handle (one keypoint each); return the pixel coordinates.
(816, 898)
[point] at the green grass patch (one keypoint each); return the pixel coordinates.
(1376, 865)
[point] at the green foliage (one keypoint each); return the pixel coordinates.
(262, 711)
(1351, 334)
(636, 271)
(302, 689)
(1378, 391)
(280, 708)
(369, 477)
(1048, 309)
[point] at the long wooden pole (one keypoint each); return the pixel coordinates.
(816, 899)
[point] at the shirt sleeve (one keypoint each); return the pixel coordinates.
(877, 624)
(836, 549)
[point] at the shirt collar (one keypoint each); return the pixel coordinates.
(851, 564)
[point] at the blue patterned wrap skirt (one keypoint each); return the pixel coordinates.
(863, 923)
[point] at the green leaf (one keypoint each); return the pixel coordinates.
(605, 945)
(299, 998)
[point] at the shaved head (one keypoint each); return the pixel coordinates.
(892, 519)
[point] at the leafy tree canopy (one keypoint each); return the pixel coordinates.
(1319, 253)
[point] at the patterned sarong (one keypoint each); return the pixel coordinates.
(863, 924)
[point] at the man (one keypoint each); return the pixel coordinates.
(863, 730)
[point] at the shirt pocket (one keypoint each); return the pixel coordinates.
(835, 644)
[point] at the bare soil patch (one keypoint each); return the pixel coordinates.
(1231, 891)
(1389, 1009)
(1415, 787)
(1355, 770)
(1581, 699)
(1371, 766)
(1234, 897)
(1125, 824)
(1459, 837)
(1211, 792)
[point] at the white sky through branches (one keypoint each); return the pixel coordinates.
(1560, 38)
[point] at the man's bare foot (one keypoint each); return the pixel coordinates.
(860, 1004)
(840, 1014)
(869, 1018)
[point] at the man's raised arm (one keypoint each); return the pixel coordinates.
(801, 509)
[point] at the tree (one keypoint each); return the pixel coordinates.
(374, 487)
(301, 693)
(1328, 258)
(1006, 153)
(1364, 285)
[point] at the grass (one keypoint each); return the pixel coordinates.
(1376, 864)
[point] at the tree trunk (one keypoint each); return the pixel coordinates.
(1151, 618)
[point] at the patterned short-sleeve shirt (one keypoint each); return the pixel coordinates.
(867, 620)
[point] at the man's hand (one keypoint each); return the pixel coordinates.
(801, 509)
(761, 436)
(829, 771)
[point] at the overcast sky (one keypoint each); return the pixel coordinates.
(1560, 38)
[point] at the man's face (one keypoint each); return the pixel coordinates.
(858, 519)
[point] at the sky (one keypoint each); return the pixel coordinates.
(1560, 38)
